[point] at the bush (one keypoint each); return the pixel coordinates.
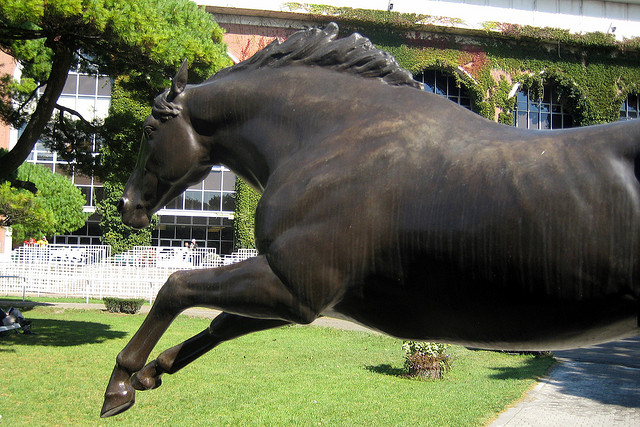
(426, 359)
(123, 305)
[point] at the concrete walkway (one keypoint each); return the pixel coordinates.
(592, 386)
(193, 312)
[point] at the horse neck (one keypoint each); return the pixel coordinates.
(256, 123)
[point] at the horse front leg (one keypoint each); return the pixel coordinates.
(248, 288)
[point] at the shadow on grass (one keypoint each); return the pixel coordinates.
(23, 306)
(529, 370)
(386, 369)
(63, 333)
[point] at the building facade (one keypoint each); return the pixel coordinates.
(203, 212)
(7, 66)
(535, 64)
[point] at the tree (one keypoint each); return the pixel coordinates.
(59, 196)
(114, 233)
(119, 139)
(24, 213)
(129, 107)
(55, 206)
(144, 37)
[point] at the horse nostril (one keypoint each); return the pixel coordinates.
(120, 205)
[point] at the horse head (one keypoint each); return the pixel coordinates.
(172, 156)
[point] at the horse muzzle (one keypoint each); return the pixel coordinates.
(133, 215)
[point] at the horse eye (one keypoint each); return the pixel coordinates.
(148, 130)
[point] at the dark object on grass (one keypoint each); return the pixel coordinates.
(388, 206)
(123, 305)
(14, 317)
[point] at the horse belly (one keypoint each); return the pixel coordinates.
(511, 321)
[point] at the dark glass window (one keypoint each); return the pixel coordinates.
(183, 232)
(444, 84)
(545, 112)
(212, 201)
(168, 231)
(193, 200)
(228, 201)
(630, 107)
(176, 203)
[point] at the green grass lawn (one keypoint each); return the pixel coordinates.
(288, 376)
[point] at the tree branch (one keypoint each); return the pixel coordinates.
(62, 60)
(73, 112)
(17, 33)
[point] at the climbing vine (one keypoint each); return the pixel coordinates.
(592, 72)
(244, 222)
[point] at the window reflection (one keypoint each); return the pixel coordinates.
(229, 201)
(546, 112)
(440, 83)
(193, 200)
(212, 201)
(630, 107)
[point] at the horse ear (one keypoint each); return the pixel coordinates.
(179, 81)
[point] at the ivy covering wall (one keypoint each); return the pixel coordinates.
(244, 219)
(592, 72)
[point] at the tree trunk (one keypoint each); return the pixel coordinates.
(62, 59)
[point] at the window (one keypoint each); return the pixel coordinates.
(630, 107)
(209, 232)
(443, 84)
(215, 194)
(547, 112)
(89, 94)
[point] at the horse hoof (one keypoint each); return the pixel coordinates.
(148, 377)
(145, 383)
(111, 407)
(119, 395)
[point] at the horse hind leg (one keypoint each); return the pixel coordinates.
(223, 328)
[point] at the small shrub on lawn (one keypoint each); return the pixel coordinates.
(426, 359)
(123, 305)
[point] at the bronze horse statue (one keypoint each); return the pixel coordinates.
(390, 207)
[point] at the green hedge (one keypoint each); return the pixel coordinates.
(123, 305)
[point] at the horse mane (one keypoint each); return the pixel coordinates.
(313, 47)
(318, 47)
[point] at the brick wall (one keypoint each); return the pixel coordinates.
(7, 66)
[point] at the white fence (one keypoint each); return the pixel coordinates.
(91, 271)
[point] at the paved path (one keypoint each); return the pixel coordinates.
(592, 386)
(194, 312)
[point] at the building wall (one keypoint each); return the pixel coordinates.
(621, 18)
(492, 63)
(203, 212)
(245, 39)
(7, 66)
